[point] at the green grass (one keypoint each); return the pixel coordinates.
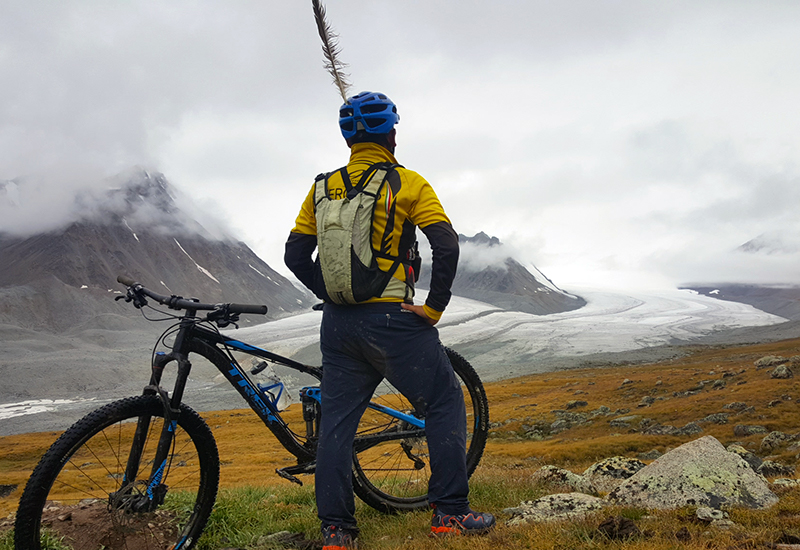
(48, 542)
(241, 516)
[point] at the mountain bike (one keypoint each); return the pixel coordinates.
(143, 472)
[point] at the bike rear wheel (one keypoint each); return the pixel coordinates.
(393, 475)
(79, 492)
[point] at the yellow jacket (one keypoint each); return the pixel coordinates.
(406, 201)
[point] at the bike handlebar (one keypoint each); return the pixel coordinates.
(178, 302)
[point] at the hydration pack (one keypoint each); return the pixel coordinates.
(344, 241)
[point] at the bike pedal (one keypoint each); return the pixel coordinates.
(286, 475)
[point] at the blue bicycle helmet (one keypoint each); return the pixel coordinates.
(369, 111)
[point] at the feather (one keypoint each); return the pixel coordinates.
(330, 50)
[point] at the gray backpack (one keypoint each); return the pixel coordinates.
(344, 240)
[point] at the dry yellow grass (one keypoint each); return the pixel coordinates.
(250, 454)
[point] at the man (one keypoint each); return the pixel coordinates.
(370, 327)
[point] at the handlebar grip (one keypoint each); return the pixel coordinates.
(125, 280)
(247, 308)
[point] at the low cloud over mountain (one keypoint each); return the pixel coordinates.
(487, 272)
(138, 227)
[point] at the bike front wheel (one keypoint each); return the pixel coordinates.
(392, 476)
(84, 492)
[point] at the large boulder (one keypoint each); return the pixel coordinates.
(698, 473)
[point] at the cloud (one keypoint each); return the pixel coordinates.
(597, 138)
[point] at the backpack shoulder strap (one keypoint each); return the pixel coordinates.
(321, 184)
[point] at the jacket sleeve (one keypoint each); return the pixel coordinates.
(297, 257)
(444, 245)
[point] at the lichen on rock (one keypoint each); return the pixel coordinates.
(698, 473)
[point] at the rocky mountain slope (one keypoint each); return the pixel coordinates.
(488, 273)
(783, 301)
(56, 280)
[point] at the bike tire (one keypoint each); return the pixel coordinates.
(69, 495)
(384, 476)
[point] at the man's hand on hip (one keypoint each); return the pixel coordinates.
(419, 310)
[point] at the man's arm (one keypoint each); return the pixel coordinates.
(444, 245)
(297, 257)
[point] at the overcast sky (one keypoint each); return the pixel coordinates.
(608, 142)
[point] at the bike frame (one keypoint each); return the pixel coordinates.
(193, 338)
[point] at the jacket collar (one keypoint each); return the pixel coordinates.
(370, 153)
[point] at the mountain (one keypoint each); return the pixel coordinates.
(772, 242)
(783, 300)
(139, 227)
(487, 272)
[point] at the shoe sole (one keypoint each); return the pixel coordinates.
(453, 531)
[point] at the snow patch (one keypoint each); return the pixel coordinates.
(132, 231)
(35, 406)
(257, 271)
(202, 269)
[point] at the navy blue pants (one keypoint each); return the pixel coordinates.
(362, 345)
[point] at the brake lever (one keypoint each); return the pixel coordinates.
(223, 318)
(138, 299)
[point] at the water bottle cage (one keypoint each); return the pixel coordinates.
(267, 391)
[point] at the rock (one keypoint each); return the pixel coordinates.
(610, 472)
(716, 418)
(769, 361)
(774, 440)
(619, 528)
(743, 430)
(736, 406)
(537, 432)
(661, 429)
(624, 421)
(786, 482)
(559, 426)
(708, 515)
(561, 479)
(554, 507)
(646, 401)
(567, 420)
(752, 459)
(770, 468)
(691, 428)
(600, 411)
(650, 455)
(575, 403)
(698, 473)
(782, 372)
(722, 524)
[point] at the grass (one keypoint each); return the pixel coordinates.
(253, 501)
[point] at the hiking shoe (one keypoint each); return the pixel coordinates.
(471, 523)
(335, 538)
